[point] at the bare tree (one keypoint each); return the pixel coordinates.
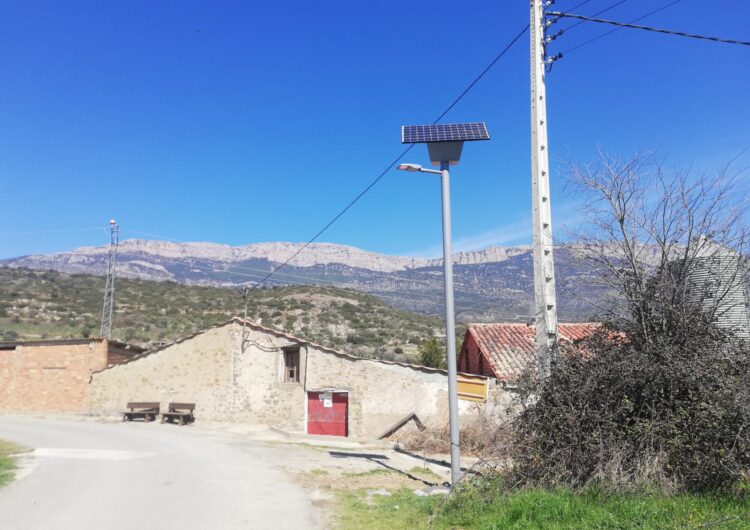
(670, 246)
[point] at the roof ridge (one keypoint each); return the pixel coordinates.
(334, 351)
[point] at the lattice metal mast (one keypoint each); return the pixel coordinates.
(545, 302)
(109, 288)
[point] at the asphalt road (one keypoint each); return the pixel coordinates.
(86, 475)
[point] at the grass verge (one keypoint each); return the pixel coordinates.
(541, 509)
(7, 462)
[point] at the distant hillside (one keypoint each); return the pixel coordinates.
(491, 285)
(48, 304)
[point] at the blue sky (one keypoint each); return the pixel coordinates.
(241, 122)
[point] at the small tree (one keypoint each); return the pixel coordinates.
(431, 353)
(647, 233)
(660, 395)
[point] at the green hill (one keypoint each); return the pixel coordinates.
(47, 304)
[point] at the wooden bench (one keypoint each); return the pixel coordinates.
(148, 411)
(182, 412)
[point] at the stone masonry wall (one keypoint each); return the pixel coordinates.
(379, 394)
(49, 377)
(228, 384)
(196, 370)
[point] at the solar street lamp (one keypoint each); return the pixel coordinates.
(411, 168)
(444, 145)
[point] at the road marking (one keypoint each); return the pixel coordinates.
(90, 454)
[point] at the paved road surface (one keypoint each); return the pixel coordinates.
(137, 476)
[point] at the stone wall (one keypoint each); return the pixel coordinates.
(229, 384)
(195, 370)
(49, 377)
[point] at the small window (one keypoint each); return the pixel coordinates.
(291, 366)
(481, 364)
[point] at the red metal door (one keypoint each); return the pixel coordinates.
(327, 413)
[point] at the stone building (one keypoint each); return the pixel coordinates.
(243, 372)
(54, 375)
(503, 351)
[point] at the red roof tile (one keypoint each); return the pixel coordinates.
(509, 348)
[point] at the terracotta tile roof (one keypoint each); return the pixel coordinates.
(509, 348)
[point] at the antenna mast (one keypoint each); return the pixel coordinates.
(109, 288)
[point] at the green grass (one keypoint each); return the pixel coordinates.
(541, 509)
(7, 462)
(372, 472)
(424, 472)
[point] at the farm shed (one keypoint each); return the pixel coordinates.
(243, 372)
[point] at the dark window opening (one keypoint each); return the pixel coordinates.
(481, 363)
(291, 366)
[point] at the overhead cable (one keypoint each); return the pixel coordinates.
(393, 163)
(648, 28)
(594, 15)
(263, 272)
(589, 41)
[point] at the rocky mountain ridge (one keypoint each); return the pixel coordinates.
(490, 284)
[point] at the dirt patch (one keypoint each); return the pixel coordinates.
(378, 479)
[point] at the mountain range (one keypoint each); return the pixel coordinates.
(493, 284)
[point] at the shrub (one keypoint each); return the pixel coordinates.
(672, 413)
(354, 339)
(431, 353)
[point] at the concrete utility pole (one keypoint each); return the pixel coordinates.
(545, 302)
(109, 288)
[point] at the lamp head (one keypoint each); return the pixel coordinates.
(410, 167)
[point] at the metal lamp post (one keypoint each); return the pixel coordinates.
(444, 143)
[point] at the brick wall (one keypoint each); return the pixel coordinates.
(49, 377)
(470, 359)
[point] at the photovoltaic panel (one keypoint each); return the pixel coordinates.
(444, 132)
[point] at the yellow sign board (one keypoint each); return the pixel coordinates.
(472, 388)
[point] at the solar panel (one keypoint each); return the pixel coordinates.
(447, 132)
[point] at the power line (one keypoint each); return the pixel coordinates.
(594, 15)
(393, 276)
(408, 301)
(315, 281)
(584, 43)
(394, 162)
(649, 28)
(580, 5)
(551, 60)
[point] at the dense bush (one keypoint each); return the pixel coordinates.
(431, 353)
(673, 413)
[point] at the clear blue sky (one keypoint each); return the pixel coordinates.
(240, 122)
